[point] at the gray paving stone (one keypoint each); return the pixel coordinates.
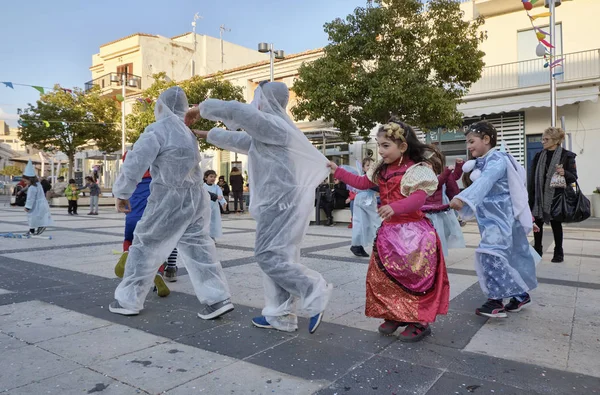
(452, 383)
(308, 359)
(522, 375)
(157, 369)
(49, 325)
(24, 365)
(237, 340)
(93, 346)
(80, 381)
(245, 378)
(380, 375)
(10, 343)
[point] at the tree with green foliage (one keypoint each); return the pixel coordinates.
(11, 171)
(196, 89)
(76, 120)
(407, 58)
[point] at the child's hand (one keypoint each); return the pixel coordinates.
(385, 212)
(347, 201)
(192, 116)
(123, 206)
(200, 133)
(459, 161)
(456, 204)
(332, 166)
(535, 228)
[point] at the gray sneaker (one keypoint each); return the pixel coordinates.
(116, 308)
(216, 310)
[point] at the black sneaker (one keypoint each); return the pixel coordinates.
(216, 310)
(515, 306)
(40, 230)
(359, 251)
(170, 274)
(492, 308)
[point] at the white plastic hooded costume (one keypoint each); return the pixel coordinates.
(284, 171)
(178, 209)
(216, 229)
(39, 210)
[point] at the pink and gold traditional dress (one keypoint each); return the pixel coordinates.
(407, 279)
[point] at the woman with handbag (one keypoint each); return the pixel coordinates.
(552, 171)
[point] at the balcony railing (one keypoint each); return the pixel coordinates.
(576, 66)
(114, 81)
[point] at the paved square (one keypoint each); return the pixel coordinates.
(57, 336)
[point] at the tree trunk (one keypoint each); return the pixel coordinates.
(71, 164)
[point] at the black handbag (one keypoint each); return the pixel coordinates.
(570, 206)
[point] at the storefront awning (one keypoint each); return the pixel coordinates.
(520, 102)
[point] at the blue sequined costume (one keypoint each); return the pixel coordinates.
(504, 261)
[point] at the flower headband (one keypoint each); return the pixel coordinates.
(394, 130)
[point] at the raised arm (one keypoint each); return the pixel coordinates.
(358, 182)
(232, 141)
(259, 125)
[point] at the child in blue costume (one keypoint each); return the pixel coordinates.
(504, 261)
(138, 201)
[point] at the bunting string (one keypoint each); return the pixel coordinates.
(41, 89)
(543, 46)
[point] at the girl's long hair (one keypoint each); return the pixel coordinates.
(33, 180)
(417, 151)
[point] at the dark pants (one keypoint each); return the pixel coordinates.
(238, 196)
(328, 208)
(72, 206)
(558, 236)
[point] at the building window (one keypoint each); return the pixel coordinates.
(125, 69)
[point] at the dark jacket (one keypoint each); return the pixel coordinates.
(224, 187)
(340, 194)
(46, 186)
(236, 180)
(567, 159)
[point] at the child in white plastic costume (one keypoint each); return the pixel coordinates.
(177, 213)
(284, 171)
(36, 205)
(210, 178)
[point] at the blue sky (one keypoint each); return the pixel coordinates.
(48, 42)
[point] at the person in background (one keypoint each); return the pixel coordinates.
(58, 189)
(236, 180)
(72, 194)
(552, 159)
(94, 194)
(226, 191)
(46, 186)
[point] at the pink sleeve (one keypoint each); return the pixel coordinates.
(442, 178)
(452, 188)
(358, 182)
(457, 173)
(411, 204)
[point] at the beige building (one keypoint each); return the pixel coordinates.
(10, 138)
(141, 55)
(514, 90)
(136, 58)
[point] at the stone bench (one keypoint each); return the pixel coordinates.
(82, 201)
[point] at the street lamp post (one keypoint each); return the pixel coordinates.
(551, 5)
(274, 54)
(123, 81)
(133, 82)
